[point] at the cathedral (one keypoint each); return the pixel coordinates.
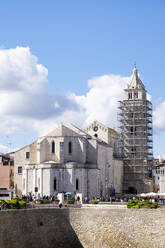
(69, 159)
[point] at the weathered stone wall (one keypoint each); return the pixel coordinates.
(114, 228)
(23, 229)
(111, 170)
(94, 228)
(116, 175)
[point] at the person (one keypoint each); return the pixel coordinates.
(60, 205)
(53, 198)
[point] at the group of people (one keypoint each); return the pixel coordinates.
(33, 197)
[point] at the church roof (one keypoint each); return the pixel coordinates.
(136, 82)
(76, 129)
(64, 130)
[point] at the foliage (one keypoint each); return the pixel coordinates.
(94, 202)
(44, 201)
(139, 204)
(22, 203)
(15, 203)
(70, 201)
(56, 201)
(133, 204)
(1, 201)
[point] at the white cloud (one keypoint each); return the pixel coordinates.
(149, 97)
(20, 72)
(6, 149)
(24, 94)
(159, 117)
(101, 101)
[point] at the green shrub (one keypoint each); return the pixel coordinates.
(1, 201)
(44, 201)
(22, 203)
(139, 204)
(93, 202)
(136, 206)
(70, 201)
(56, 201)
(132, 203)
(15, 203)
(154, 205)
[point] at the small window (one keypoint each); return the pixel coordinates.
(136, 95)
(4, 195)
(36, 189)
(27, 155)
(19, 169)
(70, 147)
(95, 135)
(55, 184)
(5, 161)
(129, 95)
(77, 184)
(53, 147)
(131, 130)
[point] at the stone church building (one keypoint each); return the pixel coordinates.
(68, 159)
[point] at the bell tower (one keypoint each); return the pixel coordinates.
(136, 129)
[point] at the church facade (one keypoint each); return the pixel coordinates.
(70, 160)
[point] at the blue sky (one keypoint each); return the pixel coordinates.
(80, 40)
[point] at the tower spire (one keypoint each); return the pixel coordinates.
(135, 80)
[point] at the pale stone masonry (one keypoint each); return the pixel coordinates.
(70, 160)
(88, 228)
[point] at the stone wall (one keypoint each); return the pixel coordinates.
(94, 228)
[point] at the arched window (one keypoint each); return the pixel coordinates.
(129, 95)
(53, 147)
(77, 184)
(70, 147)
(55, 184)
